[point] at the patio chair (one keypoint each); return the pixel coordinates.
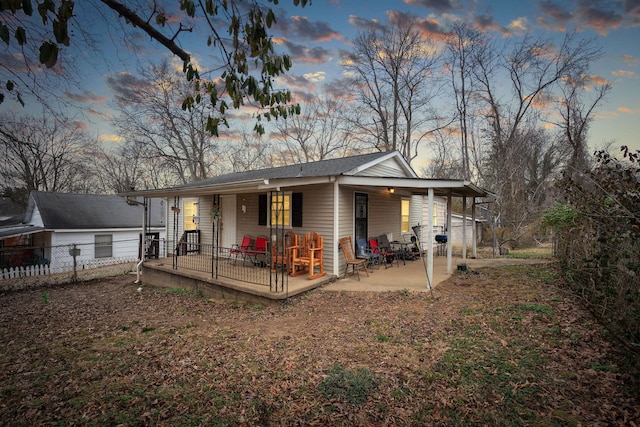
(308, 255)
(241, 249)
(386, 254)
(363, 251)
(281, 255)
(258, 254)
(351, 261)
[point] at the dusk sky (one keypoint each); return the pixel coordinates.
(315, 37)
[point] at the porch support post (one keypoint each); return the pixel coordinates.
(449, 247)
(464, 228)
(474, 231)
(336, 228)
(430, 237)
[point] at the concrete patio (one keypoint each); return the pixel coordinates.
(413, 276)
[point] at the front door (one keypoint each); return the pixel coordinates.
(227, 221)
(361, 216)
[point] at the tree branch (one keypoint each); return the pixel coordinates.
(147, 28)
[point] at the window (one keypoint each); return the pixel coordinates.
(405, 215)
(281, 209)
(285, 209)
(103, 246)
(435, 214)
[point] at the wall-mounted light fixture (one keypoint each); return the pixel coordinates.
(391, 190)
(244, 208)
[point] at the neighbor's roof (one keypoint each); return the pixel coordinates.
(68, 211)
(18, 230)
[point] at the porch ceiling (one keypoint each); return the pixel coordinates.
(441, 187)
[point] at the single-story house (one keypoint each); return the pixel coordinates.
(359, 196)
(94, 229)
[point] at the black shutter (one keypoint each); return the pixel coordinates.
(262, 209)
(296, 210)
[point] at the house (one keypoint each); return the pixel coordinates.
(61, 230)
(359, 196)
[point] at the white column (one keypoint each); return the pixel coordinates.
(474, 232)
(449, 248)
(336, 227)
(464, 228)
(430, 237)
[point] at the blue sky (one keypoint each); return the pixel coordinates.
(316, 35)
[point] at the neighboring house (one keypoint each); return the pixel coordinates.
(97, 229)
(359, 196)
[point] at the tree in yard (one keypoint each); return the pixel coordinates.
(130, 165)
(512, 87)
(150, 116)
(393, 72)
(40, 153)
(318, 133)
(581, 94)
(247, 61)
(249, 152)
(462, 47)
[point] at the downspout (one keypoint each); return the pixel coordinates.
(449, 235)
(143, 241)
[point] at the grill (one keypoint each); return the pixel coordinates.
(441, 238)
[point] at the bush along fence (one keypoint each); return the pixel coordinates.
(69, 260)
(602, 212)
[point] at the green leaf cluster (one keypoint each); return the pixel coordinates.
(247, 50)
(560, 217)
(57, 13)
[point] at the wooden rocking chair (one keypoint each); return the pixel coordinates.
(349, 255)
(308, 255)
(281, 254)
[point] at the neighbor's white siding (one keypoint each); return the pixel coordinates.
(125, 247)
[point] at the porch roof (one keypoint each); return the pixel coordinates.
(442, 187)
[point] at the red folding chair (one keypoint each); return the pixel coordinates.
(258, 253)
(241, 249)
(387, 255)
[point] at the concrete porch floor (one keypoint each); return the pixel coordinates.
(413, 276)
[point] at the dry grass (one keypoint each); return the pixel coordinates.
(499, 346)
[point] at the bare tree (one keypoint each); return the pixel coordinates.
(394, 72)
(41, 153)
(443, 162)
(581, 94)
(319, 132)
(514, 87)
(251, 152)
(150, 115)
(130, 165)
(463, 45)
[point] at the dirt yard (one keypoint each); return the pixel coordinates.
(495, 346)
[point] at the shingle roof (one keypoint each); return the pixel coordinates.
(90, 211)
(314, 169)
